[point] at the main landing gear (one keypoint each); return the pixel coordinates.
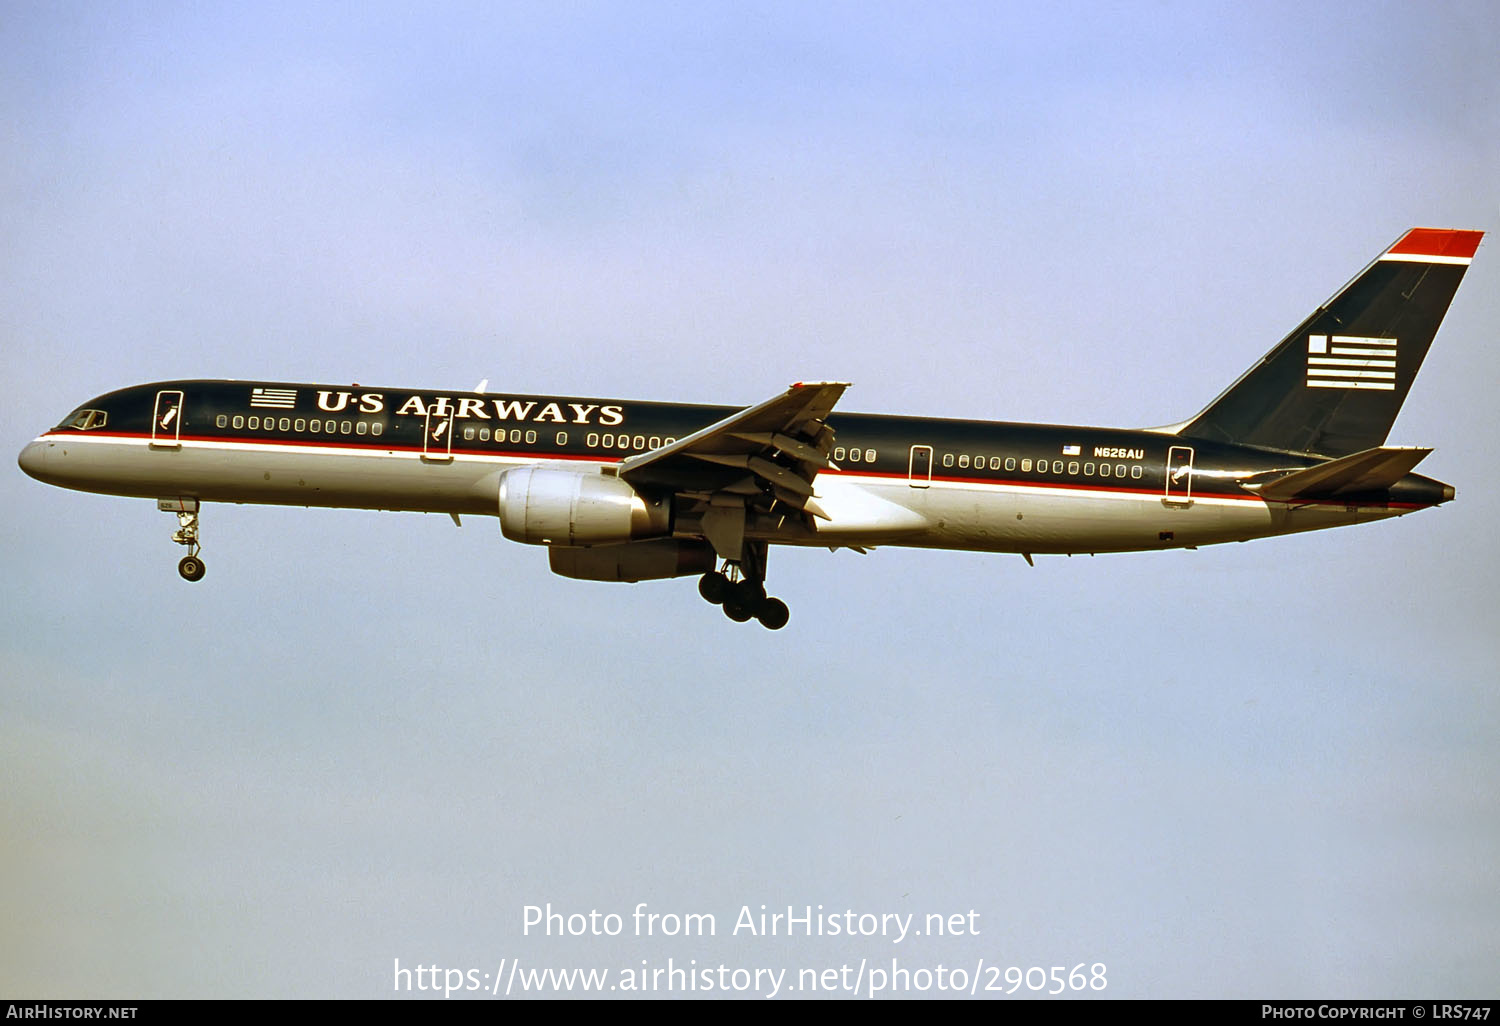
(743, 597)
(190, 566)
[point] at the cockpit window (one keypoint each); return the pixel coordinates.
(85, 420)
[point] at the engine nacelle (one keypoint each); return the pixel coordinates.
(637, 561)
(543, 506)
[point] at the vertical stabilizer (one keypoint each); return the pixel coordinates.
(1335, 384)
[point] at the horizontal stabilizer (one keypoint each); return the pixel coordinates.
(1374, 470)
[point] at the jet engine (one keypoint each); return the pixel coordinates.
(544, 506)
(637, 561)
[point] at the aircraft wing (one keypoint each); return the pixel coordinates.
(765, 454)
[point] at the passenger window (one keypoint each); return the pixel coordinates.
(286, 423)
(1010, 463)
(484, 434)
(947, 459)
(238, 422)
(562, 438)
(1026, 466)
(360, 427)
(654, 442)
(963, 460)
(254, 423)
(640, 441)
(1088, 468)
(1135, 471)
(1073, 467)
(838, 454)
(376, 428)
(608, 441)
(515, 434)
(344, 426)
(301, 424)
(869, 455)
(531, 438)
(994, 462)
(221, 420)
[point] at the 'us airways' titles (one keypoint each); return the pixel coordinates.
(1297, 443)
(465, 407)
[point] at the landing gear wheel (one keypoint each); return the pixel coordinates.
(714, 587)
(773, 614)
(747, 593)
(739, 588)
(191, 566)
(736, 612)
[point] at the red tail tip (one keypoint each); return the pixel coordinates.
(1450, 243)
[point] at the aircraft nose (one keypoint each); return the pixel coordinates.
(33, 458)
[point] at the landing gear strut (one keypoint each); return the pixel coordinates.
(190, 566)
(743, 596)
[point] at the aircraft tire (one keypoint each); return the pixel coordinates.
(748, 593)
(714, 587)
(191, 568)
(736, 612)
(773, 614)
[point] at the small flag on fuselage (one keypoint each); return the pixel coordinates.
(274, 398)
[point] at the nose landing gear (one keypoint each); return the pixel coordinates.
(190, 566)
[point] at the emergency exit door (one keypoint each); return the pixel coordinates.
(437, 440)
(919, 469)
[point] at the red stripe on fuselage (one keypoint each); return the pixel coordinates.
(534, 456)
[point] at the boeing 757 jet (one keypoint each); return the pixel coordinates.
(619, 490)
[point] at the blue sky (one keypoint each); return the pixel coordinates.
(1244, 771)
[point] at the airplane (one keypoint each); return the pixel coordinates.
(619, 490)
